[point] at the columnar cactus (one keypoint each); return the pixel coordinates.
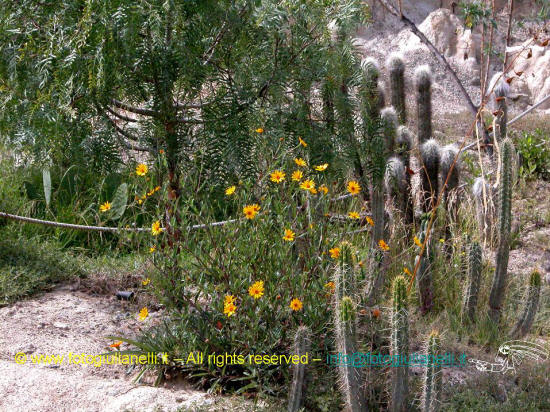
(450, 159)
(403, 145)
(389, 123)
(302, 342)
(432, 388)
(399, 345)
(349, 375)
(498, 290)
(474, 279)
(530, 308)
(396, 68)
(483, 197)
(502, 89)
(370, 90)
(423, 85)
(345, 275)
(429, 175)
(395, 182)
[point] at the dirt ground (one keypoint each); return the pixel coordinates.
(67, 320)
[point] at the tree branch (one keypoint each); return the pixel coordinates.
(136, 110)
(120, 116)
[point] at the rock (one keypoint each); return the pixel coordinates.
(61, 325)
(28, 349)
(546, 261)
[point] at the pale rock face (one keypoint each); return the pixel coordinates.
(535, 72)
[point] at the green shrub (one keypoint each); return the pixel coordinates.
(534, 153)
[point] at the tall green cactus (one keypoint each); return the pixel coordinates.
(498, 290)
(395, 182)
(302, 342)
(396, 68)
(530, 308)
(502, 89)
(399, 345)
(474, 280)
(403, 145)
(450, 160)
(433, 382)
(429, 175)
(423, 85)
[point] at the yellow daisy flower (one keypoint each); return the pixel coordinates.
(331, 286)
(383, 245)
(324, 189)
(250, 211)
(229, 309)
(334, 252)
(370, 221)
(353, 215)
(259, 130)
(230, 190)
(300, 162)
(257, 289)
(145, 282)
(277, 176)
(155, 228)
(308, 185)
(353, 187)
(297, 175)
(417, 242)
(407, 271)
(141, 169)
(105, 206)
(302, 142)
(321, 168)
(228, 299)
(289, 235)
(296, 304)
(143, 313)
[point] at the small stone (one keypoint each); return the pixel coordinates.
(60, 325)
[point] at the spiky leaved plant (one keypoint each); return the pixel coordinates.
(423, 278)
(403, 145)
(498, 289)
(302, 342)
(429, 174)
(423, 86)
(399, 345)
(530, 308)
(396, 68)
(474, 280)
(484, 206)
(433, 382)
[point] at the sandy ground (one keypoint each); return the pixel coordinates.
(66, 320)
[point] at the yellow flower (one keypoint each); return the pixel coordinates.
(302, 142)
(141, 169)
(140, 202)
(296, 304)
(297, 175)
(277, 176)
(321, 168)
(308, 185)
(257, 289)
(230, 190)
(116, 345)
(250, 211)
(157, 188)
(229, 308)
(353, 187)
(331, 286)
(145, 282)
(300, 162)
(353, 215)
(441, 240)
(370, 221)
(259, 130)
(105, 206)
(407, 271)
(417, 242)
(152, 249)
(155, 228)
(383, 245)
(334, 252)
(289, 235)
(228, 299)
(324, 189)
(143, 313)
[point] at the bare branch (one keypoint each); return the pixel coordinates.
(136, 110)
(120, 116)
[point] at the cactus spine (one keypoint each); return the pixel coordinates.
(474, 280)
(396, 68)
(301, 347)
(429, 176)
(431, 397)
(532, 297)
(399, 344)
(423, 85)
(498, 290)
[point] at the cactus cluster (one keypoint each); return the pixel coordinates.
(498, 289)
(531, 304)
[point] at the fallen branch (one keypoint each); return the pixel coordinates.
(519, 116)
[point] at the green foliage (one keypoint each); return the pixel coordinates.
(475, 13)
(534, 153)
(120, 199)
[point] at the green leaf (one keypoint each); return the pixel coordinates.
(47, 180)
(119, 202)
